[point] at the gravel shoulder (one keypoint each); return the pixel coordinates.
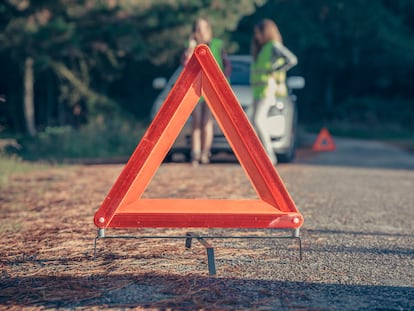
(357, 240)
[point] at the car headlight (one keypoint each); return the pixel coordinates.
(280, 105)
(276, 109)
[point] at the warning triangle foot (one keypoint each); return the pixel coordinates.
(123, 207)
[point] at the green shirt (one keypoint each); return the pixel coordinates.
(271, 62)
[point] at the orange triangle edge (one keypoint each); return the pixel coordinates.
(123, 207)
(324, 141)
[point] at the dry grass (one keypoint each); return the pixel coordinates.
(47, 235)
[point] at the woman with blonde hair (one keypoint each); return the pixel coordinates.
(271, 60)
(202, 120)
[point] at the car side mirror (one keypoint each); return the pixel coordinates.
(159, 83)
(295, 82)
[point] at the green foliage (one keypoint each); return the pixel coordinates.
(12, 164)
(85, 45)
(101, 138)
(376, 111)
(98, 57)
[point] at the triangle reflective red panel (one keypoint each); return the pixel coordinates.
(324, 141)
(123, 207)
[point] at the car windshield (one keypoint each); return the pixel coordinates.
(240, 72)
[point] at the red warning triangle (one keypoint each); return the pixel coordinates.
(123, 207)
(324, 141)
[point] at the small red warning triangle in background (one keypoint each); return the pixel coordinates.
(324, 141)
(123, 207)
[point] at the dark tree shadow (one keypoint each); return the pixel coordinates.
(192, 292)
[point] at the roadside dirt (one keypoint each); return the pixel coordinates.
(48, 234)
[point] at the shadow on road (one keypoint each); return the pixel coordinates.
(177, 292)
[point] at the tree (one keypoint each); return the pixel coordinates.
(84, 45)
(28, 97)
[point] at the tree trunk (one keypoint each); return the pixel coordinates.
(29, 111)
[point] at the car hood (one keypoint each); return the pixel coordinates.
(243, 94)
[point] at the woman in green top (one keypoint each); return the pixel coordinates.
(271, 60)
(202, 119)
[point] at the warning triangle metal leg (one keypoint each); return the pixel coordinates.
(189, 236)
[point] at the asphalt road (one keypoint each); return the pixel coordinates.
(359, 153)
(358, 236)
(358, 204)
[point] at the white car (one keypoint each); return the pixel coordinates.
(281, 119)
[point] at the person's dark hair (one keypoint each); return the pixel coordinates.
(270, 32)
(201, 18)
(206, 35)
